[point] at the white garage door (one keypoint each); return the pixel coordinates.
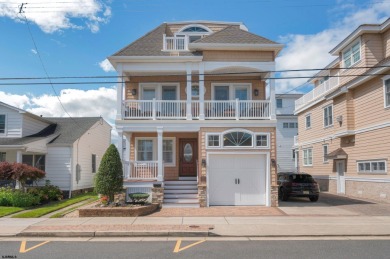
(237, 179)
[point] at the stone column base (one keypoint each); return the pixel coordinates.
(274, 196)
(158, 195)
(202, 195)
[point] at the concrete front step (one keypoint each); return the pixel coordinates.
(181, 205)
(188, 178)
(181, 196)
(174, 191)
(180, 201)
(180, 187)
(180, 182)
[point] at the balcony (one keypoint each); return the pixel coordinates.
(181, 110)
(317, 92)
(141, 170)
(175, 43)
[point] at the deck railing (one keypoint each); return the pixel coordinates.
(175, 43)
(213, 109)
(141, 170)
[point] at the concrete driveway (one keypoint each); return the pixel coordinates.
(333, 205)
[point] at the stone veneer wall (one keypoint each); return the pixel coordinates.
(158, 195)
(202, 195)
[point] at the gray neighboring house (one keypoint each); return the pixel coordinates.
(69, 150)
(286, 131)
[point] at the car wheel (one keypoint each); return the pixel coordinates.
(283, 195)
(313, 198)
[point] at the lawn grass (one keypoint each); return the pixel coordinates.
(53, 206)
(62, 213)
(4, 211)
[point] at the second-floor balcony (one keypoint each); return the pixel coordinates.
(175, 43)
(209, 109)
(318, 92)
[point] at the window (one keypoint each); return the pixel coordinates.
(328, 116)
(168, 151)
(387, 94)
(378, 166)
(2, 156)
(93, 163)
(293, 154)
(351, 55)
(195, 90)
(237, 139)
(279, 103)
(37, 161)
(145, 150)
(224, 92)
(290, 125)
(213, 141)
(325, 152)
(308, 121)
(308, 157)
(194, 29)
(2, 123)
(261, 140)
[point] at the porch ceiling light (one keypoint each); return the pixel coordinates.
(256, 92)
(133, 91)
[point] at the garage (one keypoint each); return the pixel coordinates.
(237, 179)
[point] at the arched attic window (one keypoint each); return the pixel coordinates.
(193, 32)
(195, 29)
(237, 139)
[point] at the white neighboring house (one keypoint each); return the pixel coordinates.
(286, 131)
(69, 150)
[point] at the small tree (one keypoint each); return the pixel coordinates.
(20, 173)
(109, 178)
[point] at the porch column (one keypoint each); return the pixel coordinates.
(120, 144)
(201, 91)
(119, 93)
(189, 92)
(272, 96)
(18, 160)
(127, 155)
(160, 166)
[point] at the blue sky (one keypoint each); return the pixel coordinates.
(74, 37)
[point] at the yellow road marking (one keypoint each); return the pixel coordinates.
(178, 243)
(23, 246)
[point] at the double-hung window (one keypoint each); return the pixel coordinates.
(147, 150)
(279, 103)
(308, 121)
(2, 123)
(386, 91)
(308, 157)
(325, 151)
(328, 116)
(376, 166)
(351, 55)
(93, 163)
(2, 156)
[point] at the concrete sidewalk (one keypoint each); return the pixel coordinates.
(288, 226)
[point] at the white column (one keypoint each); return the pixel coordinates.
(201, 91)
(189, 92)
(120, 144)
(18, 160)
(119, 93)
(272, 96)
(160, 169)
(127, 155)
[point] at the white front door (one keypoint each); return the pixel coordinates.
(340, 165)
(237, 179)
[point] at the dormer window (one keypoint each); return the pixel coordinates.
(352, 54)
(184, 36)
(195, 29)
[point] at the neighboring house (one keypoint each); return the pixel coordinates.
(192, 107)
(286, 132)
(344, 123)
(69, 150)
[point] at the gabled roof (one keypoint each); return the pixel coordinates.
(23, 112)
(234, 35)
(65, 131)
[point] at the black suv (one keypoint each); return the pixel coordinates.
(297, 185)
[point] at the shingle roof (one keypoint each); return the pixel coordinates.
(64, 130)
(234, 35)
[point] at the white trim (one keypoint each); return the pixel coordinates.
(303, 156)
(346, 49)
(268, 135)
(325, 160)
(371, 171)
(180, 31)
(355, 179)
(158, 88)
(155, 148)
(267, 174)
(5, 125)
(384, 79)
(235, 46)
(307, 115)
(207, 140)
(253, 134)
(232, 88)
(323, 116)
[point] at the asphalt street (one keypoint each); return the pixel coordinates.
(198, 249)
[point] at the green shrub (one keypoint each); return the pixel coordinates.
(109, 178)
(21, 199)
(46, 193)
(5, 196)
(138, 197)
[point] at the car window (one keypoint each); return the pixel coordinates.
(302, 179)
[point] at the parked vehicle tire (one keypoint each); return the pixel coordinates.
(283, 195)
(314, 198)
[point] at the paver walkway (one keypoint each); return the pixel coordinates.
(222, 211)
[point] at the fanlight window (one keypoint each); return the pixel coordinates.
(237, 139)
(195, 29)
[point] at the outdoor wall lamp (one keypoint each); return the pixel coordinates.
(273, 163)
(256, 92)
(203, 162)
(133, 91)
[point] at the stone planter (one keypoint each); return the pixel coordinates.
(118, 211)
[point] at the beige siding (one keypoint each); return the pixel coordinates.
(214, 27)
(369, 104)
(258, 56)
(373, 49)
(386, 43)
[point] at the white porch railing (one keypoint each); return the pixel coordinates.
(141, 170)
(231, 109)
(175, 43)
(317, 92)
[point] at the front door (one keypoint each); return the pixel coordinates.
(188, 157)
(340, 165)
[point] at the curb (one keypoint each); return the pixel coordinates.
(115, 234)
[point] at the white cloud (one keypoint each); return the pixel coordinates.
(34, 51)
(312, 51)
(106, 66)
(78, 103)
(56, 16)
